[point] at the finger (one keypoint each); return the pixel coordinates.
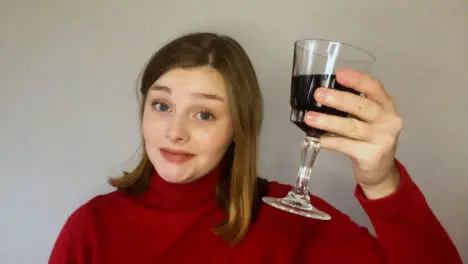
(348, 127)
(365, 84)
(357, 150)
(358, 106)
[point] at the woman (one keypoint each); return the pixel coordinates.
(195, 197)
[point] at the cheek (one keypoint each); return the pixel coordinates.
(152, 128)
(213, 141)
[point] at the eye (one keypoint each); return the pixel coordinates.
(161, 107)
(206, 116)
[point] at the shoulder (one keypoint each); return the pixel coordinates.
(277, 189)
(305, 230)
(79, 229)
(325, 230)
(91, 208)
(82, 220)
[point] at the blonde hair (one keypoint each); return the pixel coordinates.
(237, 188)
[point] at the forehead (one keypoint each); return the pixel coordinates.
(194, 80)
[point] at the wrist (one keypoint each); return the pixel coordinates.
(385, 188)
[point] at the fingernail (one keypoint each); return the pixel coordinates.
(348, 77)
(312, 116)
(321, 93)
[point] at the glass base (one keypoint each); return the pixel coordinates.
(296, 204)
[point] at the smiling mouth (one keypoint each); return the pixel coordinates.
(176, 156)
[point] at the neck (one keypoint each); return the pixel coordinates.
(168, 196)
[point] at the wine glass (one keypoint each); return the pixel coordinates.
(315, 63)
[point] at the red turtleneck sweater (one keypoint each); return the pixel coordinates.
(172, 223)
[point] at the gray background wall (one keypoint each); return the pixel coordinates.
(68, 111)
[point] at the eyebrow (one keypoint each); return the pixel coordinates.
(198, 95)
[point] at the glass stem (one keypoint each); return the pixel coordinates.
(309, 151)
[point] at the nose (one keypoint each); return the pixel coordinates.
(176, 130)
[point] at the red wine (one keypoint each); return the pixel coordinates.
(302, 99)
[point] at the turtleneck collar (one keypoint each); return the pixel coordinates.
(168, 196)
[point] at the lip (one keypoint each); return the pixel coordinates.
(176, 156)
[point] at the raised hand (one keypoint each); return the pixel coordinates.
(369, 137)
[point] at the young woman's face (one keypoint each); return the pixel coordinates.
(187, 124)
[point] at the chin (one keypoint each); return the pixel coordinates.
(174, 173)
